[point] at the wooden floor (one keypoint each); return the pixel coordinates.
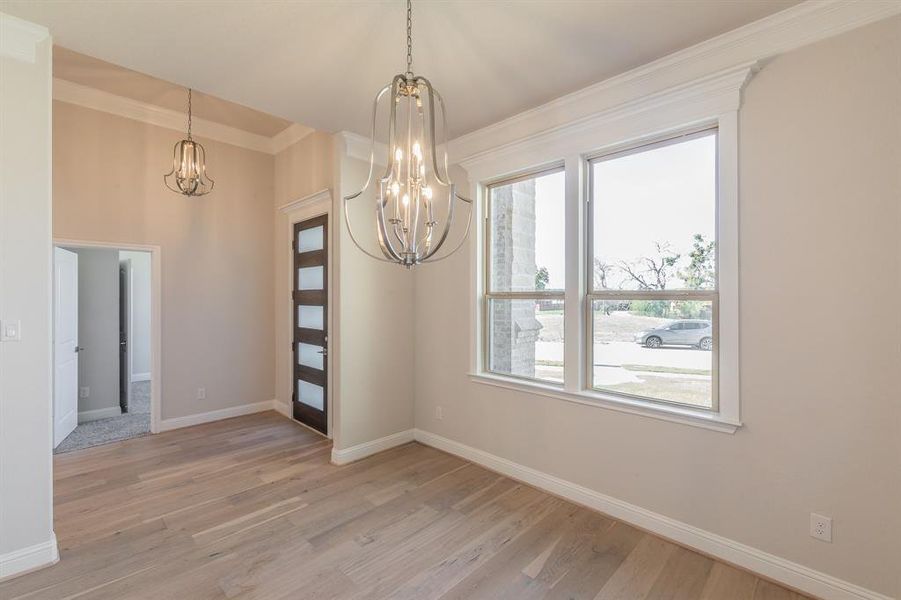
(251, 508)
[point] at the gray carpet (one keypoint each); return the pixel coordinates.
(134, 423)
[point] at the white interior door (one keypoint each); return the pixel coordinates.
(65, 344)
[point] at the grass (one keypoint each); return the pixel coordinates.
(549, 363)
(659, 369)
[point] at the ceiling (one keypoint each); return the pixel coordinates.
(120, 81)
(320, 62)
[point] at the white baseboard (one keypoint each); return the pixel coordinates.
(349, 455)
(140, 377)
(32, 558)
(767, 565)
(99, 413)
(217, 415)
(283, 409)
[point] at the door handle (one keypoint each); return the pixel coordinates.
(324, 352)
(79, 348)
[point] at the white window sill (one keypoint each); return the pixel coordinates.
(674, 414)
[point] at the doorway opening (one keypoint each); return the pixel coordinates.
(104, 344)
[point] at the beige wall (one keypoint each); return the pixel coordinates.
(375, 329)
(371, 341)
(302, 169)
(217, 271)
(820, 280)
(26, 421)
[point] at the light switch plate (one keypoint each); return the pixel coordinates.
(10, 330)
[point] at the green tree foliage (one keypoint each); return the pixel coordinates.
(671, 309)
(700, 274)
(542, 277)
(653, 273)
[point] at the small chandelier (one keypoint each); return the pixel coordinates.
(189, 166)
(414, 210)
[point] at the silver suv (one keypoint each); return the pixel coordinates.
(685, 332)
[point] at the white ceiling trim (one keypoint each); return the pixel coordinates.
(18, 38)
(681, 106)
(360, 147)
(798, 26)
(88, 97)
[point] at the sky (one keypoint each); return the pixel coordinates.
(667, 194)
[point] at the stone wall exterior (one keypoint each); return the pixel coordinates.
(514, 328)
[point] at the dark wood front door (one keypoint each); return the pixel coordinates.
(310, 294)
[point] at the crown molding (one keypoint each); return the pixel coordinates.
(289, 136)
(18, 38)
(694, 103)
(359, 147)
(792, 28)
(88, 97)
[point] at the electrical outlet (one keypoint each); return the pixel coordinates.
(439, 413)
(84, 392)
(11, 331)
(201, 393)
(821, 527)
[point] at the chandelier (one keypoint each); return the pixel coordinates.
(188, 175)
(416, 200)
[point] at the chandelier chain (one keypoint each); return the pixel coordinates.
(189, 113)
(409, 37)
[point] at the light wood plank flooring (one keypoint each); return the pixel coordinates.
(251, 508)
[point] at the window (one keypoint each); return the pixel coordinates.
(653, 284)
(525, 277)
(643, 214)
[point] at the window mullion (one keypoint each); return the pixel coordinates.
(533, 295)
(574, 239)
(709, 295)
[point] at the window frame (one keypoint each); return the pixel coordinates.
(488, 295)
(592, 295)
(583, 129)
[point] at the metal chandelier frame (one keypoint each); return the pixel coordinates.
(407, 228)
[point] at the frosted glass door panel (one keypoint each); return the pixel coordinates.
(309, 355)
(309, 240)
(310, 394)
(311, 317)
(310, 278)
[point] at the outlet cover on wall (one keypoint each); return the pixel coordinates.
(821, 527)
(439, 412)
(10, 330)
(201, 393)
(84, 392)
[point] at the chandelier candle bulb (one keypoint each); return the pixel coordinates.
(416, 173)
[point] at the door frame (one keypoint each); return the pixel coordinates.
(156, 282)
(308, 207)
